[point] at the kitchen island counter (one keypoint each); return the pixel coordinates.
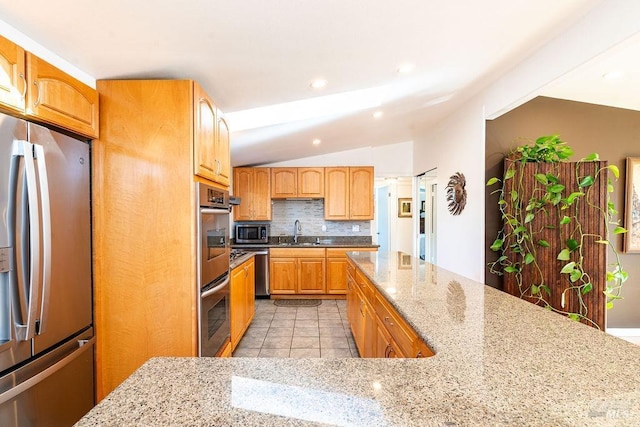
(498, 361)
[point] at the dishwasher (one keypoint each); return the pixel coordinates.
(261, 255)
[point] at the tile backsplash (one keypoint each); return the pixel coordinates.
(311, 216)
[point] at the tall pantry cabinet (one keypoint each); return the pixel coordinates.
(145, 165)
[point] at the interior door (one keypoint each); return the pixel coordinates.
(66, 307)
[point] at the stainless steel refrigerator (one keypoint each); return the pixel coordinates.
(46, 321)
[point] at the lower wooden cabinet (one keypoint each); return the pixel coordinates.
(385, 346)
(295, 271)
(337, 268)
(226, 350)
(242, 300)
(378, 329)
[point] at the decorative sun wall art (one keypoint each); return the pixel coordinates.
(456, 193)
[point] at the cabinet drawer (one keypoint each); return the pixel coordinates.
(365, 286)
(297, 252)
(351, 269)
(402, 333)
(342, 252)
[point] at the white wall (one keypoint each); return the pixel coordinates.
(30, 45)
(457, 145)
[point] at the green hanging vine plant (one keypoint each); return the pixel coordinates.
(526, 223)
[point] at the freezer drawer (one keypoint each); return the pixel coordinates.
(56, 389)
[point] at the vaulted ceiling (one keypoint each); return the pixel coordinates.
(261, 56)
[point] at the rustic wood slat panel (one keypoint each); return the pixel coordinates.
(593, 226)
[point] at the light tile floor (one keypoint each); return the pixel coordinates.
(321, 331)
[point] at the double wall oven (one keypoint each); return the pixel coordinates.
(213, 269)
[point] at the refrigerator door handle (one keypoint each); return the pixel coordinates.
(45, 211)
(25, 328)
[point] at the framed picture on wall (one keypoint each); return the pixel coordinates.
(632, 206)
(404, 207)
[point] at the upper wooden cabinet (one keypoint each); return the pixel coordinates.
(297, 182)
(223, 152)
(311, 182)
(13, 82)
(211, 140)
(57, 98)
(284, 182)
(34, 88)
(349, 193)
(253, 187)
(361, 193)
(336, 196)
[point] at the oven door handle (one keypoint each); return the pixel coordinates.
(212, 291)
(214, 211)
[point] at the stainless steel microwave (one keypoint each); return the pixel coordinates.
(252, 233)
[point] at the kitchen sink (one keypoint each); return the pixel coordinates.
(298, 244)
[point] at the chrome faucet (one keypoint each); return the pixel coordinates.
(297, 231)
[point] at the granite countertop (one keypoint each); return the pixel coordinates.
(237, 261)
(498, 361)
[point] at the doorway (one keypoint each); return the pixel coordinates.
(382, 218)
(427, 189)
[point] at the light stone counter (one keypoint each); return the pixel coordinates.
(499, 361)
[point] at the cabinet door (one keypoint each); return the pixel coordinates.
(261, 194)
(369, 330)
(337, 275)
(204, 135)
(223, 153)
(55, 97)
(311, 182)
(352, 303)
(358, 323)
(361, 193)
(250, 291)
(12, 76)
(243, 187)
(336, 198)
(384, 345)
(284, 183)
(311, 276)
(282, 276)
(237, 303)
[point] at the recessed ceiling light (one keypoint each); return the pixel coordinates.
(316, 141)
(378, 114)
(611, 75)
(406, 68)
(318, 83)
